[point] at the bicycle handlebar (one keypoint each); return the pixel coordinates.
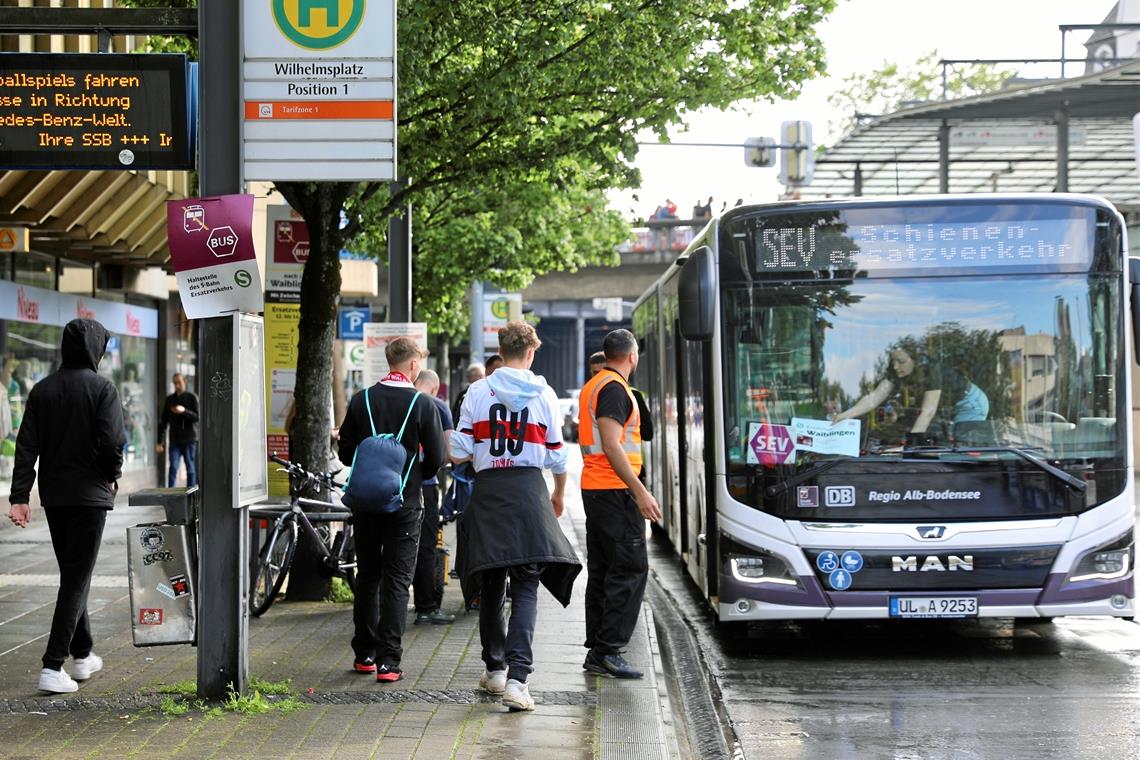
(297, 472)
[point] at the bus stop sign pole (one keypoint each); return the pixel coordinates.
(223, 622)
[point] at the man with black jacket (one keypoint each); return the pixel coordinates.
(386, 544)
(73, 424)
(180, 412)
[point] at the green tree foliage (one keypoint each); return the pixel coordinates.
(886, 88)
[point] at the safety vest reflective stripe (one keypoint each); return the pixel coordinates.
(597, 472)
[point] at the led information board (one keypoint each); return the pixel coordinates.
(99, 111)
(867, 242)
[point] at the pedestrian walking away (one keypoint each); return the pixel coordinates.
(73, 427)
(475, 371)
(429, 594)
(617, 504)
(180, 414)
(510, 427)
(386, 543)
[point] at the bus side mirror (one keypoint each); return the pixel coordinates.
(697, 295)
(1134, 279)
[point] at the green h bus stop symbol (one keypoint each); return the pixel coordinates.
(318, 24)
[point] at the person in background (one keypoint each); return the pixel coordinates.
(180, 413)
(428, 596)
(73, 426)
(597, 361)
(509, 426)
(475, 372)
(386, 544)
(493, 364)
(617, 505)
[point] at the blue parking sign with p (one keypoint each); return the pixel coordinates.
(352, 321)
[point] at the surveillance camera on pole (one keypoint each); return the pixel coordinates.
(797, 161)
(760, 151)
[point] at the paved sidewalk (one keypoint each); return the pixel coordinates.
(437, 711)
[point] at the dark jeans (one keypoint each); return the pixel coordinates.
(428, 596)
(189, 452)
(76, 533)
(509, 646)
(618, 565)
(386, 560)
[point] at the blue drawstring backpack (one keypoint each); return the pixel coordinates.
(375, 484)
(457, 496)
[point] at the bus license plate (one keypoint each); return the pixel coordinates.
(933, 606)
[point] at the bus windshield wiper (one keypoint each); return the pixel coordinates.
(1069, 479)
(813, 469)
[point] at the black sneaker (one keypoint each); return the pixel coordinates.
(612, 665)
(364, 665)
(386, 674)
(435, 617)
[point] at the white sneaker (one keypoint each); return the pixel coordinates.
(57, 681)
(493, 681)
(516, 696)
(84, 668)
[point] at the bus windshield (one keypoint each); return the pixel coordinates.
(955, 379)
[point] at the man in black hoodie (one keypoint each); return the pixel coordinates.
(180, 412)
(73, 424)
(386, 544)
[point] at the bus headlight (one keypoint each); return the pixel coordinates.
(1108, 562)
(750, 565)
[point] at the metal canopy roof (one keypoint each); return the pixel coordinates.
(104, 216)
(899, 153)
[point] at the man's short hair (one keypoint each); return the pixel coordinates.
(401, 350)
(475, 371)
(176, 377)
(619, 344)
(515, 338)
(598, 357)
(427, 378)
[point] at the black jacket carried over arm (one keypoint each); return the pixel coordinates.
(73, 425)
(389, 405)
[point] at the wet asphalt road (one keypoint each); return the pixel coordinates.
(922, 689)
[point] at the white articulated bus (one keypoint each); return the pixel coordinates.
(894, 408)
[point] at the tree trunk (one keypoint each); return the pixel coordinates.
(320, 205)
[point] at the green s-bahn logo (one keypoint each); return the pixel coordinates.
(318, 24)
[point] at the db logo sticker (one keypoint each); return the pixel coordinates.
(839, 496)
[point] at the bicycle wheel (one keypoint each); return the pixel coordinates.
(272, 566)
(349, 557)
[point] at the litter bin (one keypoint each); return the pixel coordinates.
(162, 569)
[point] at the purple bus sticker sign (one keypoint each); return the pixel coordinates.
(769, 444)
(211, 245)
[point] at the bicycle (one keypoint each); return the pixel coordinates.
(338, 551)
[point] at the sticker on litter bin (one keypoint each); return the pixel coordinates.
(165, 590)
(150, 616)
(180, 585)
(152, 539)
(150, 559)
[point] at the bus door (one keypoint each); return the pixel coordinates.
(690, 394)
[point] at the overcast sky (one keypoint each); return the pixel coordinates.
(859, 36)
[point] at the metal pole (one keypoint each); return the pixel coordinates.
(1062, 53)
(477, 321)
(1063, 148)
(400, 263)
(858, 180)
(944, 157)
(223, 623)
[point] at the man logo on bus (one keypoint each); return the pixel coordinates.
(318, 24)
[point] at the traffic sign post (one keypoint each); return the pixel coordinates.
(319, 90)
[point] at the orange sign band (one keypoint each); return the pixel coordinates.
(281, 110)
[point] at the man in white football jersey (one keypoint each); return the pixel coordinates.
(511, 427)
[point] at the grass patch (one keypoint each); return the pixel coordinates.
(340, 593)
(270, 687)
(183, 688)
(247, 704)
(170, 707)
(179, 699)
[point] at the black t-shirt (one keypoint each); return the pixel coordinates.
(613, 402)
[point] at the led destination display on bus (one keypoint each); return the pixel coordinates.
(73, 111)
(860, 242)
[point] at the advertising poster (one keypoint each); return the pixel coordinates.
(211, 247)
(377, 335)
(250, 436)
(288, 250)
(281, 320)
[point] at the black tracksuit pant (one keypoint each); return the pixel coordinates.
(386, 560)
(428, 596)
(617, 564)
(76, 533)
(509, 646)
